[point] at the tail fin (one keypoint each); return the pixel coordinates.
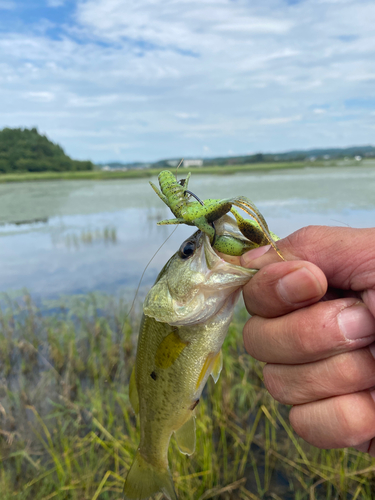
(144, 480)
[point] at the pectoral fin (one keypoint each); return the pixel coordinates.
(212, 365)
(133, 393)
(185, 437)
(218, 365)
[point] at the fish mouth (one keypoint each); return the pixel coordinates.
(193, 290)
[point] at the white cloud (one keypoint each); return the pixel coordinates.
(7, 5)
(192, 25)
(170, 77)
(75, 132)
(40, 96)
(256, 25)
(92, 102)
(186, 116)
(279, 120)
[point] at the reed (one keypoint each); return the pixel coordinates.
(67, 431)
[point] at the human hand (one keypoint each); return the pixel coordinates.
(313, 324)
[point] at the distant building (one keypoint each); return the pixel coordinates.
(107, 168)
(358, 158)
(173, 163)
(192, 163)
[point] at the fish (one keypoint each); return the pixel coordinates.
(186, 316)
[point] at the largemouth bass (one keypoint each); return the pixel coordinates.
(186, 317)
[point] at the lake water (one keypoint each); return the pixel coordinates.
(71, 237)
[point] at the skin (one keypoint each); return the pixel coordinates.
(313, 324)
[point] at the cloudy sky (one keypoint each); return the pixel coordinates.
(140, 80)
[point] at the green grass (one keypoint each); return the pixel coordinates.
(131, 174)
(67, 431)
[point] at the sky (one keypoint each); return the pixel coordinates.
(142, 80)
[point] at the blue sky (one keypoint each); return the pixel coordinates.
(141, 80)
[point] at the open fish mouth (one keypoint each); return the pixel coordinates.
(195, 285)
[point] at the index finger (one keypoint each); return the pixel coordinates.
(282, 287)
(344, 255)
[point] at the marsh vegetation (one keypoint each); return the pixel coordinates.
(68, 432)
(100, 175)
(66, 428)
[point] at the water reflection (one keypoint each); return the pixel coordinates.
(86, 237)
(76, 237)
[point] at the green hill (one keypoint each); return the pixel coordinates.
(25, 150)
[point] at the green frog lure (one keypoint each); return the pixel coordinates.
(203, 214)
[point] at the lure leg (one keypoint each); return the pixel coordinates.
(248, 207)
(175, 221)
(206, 227)
(250, 229)
(186, 181)
(213, 209)
(163, 198)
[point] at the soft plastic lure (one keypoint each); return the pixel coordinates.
(203, 214)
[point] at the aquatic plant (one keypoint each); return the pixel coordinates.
(67, 431)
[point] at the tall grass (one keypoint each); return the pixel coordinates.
(67, 430)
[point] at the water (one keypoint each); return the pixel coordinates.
(74, 237)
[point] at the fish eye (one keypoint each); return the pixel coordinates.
(187, 249)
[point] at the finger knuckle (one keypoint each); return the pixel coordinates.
(275, 384)
(298, 239)
(353, 369)
(306, 340)
(300, 420)
(289, 386)
(248, 336)
(316, 332)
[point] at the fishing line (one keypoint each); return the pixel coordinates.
(145, 269)
(341, 222)
(149, 262)
(178, 166)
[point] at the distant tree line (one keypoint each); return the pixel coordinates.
(25, 150)
(289, 156)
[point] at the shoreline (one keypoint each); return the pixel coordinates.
(213, 170)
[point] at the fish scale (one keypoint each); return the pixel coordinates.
(179, 346)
